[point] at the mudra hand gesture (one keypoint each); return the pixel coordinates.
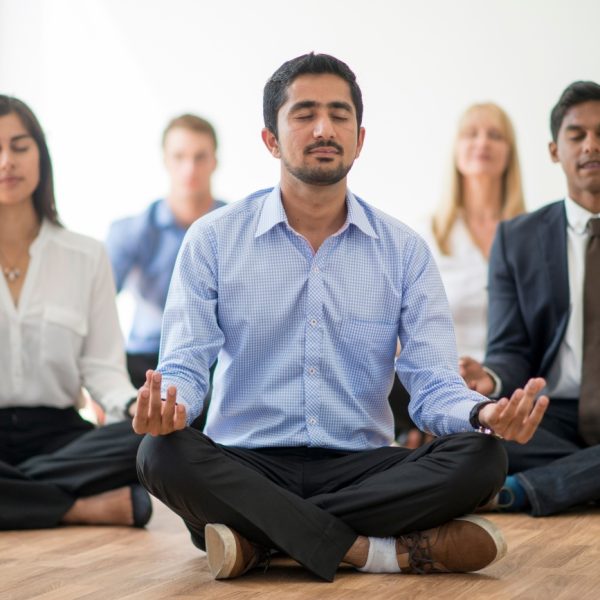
(154, 415)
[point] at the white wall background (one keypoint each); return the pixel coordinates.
(104, 76)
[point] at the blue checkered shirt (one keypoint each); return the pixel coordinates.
(306, 341)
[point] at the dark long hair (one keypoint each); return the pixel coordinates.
(43, 195)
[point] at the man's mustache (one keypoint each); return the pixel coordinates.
(324, 144)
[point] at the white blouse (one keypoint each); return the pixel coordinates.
(64, 333)
(465, 276)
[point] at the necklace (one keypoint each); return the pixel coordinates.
(13, 273)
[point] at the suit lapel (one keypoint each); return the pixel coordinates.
(552, 235)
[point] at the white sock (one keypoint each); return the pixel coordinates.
(382, 556)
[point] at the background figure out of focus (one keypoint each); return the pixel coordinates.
(143, 248)
(59, 330)
(484, 188)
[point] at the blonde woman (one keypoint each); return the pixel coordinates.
(485, 188)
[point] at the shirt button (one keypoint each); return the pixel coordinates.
(312, 421)
(313, 322)
(315, 269)
(312, 370)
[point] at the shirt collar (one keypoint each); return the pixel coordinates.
(577, 216)
(273, 213)
(45, 233)
(164, 215)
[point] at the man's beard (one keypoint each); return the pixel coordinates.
(318, 175)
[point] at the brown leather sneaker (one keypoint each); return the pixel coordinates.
(229, 554)
(465, 544)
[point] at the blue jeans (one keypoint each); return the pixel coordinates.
(556, 467)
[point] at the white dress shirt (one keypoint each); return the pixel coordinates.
(464, 274)
(564, 377)
(64, 333)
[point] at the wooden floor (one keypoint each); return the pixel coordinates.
(555, 558)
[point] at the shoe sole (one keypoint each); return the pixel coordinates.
(492, 530)
(221, 550)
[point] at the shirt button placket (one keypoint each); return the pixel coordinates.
(314, 311)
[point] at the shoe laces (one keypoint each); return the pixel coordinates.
(419, 552)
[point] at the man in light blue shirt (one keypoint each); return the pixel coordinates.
(143, 248)
(303, 291)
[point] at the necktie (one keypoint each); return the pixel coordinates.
(589, 397)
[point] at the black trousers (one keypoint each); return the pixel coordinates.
(50, 457)
(312, 503)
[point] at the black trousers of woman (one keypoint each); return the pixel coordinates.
(312, 503)
(50, 457)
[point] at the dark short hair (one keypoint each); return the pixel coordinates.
(577, 93)
(43, 195)
(275, 92)
(193, 123)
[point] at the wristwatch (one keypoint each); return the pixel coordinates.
(474, 416)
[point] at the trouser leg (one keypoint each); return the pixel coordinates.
(391, 491)
(563, 483)
(39, 491)
(205, 483)
(97, 461)
(555, 469)
(28, 504)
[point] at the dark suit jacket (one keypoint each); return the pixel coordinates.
(528, 295)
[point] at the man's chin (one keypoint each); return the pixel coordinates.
(321, 177)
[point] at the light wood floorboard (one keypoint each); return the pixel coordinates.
(555, 558)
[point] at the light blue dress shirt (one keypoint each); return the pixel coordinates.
(142, 251)
(306, 341)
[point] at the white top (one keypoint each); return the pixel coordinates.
(564, 377)
(465, 275)
(64, 333)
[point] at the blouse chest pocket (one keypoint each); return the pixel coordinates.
(63, 334)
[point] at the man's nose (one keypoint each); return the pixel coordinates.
(591, 144)
(324, 128)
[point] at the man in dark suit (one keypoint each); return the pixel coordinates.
(544, 320)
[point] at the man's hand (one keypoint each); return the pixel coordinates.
(518, 418)
(152, 414)
(475, 376)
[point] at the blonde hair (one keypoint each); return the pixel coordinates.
(513, 203)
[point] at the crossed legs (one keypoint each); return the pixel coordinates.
(311, 503)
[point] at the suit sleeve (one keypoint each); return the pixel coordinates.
(509, 346)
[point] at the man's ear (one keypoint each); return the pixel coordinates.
(270, 141)
(553, 149)
(360, 142)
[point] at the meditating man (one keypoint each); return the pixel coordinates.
(303, 291)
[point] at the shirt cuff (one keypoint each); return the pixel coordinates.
(497, 382)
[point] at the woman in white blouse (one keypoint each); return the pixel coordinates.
(59, 331)
(485, 188)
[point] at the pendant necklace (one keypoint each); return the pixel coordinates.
(13, 273)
